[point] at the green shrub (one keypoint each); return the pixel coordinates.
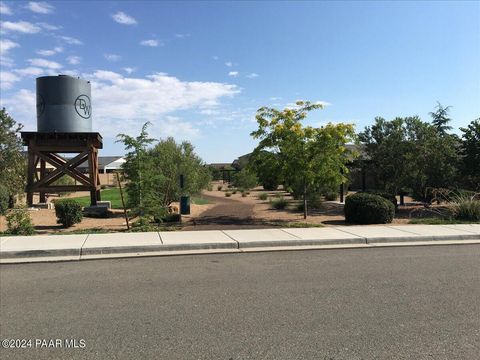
(219, 187)
(385, 195)
(331, 195)
(228, 194)
(263, 196)
(270, 184)
(68, 212)
(245, 179)
(362, 208)
(280, 203)
(19, 222)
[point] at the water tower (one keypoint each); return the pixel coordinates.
(64, 126)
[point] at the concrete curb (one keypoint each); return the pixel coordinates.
(121, 245)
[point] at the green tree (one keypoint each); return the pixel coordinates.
(12, 163)
(308, 157)
(404, 154)
(153, 172)
(470, 150)
(245, 179)
(266, 165)
(440, 118)
(136, 167)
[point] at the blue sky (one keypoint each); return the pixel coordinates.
(199, 70)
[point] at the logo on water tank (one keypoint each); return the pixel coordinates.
(83, 107)
(40, 104)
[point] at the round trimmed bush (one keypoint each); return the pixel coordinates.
(385, 195)
(68, 212)
(362, 208)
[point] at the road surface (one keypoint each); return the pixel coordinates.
(385, 303)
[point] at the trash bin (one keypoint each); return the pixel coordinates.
(185, 205)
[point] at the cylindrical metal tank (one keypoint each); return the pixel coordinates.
(63, 104)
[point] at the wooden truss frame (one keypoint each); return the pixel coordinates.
(45, 148)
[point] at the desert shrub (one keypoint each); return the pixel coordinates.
(234, 191)
(270, 184)
(228, 194)
(68, 212)
(468, 210)
(19, 222)
(331, 195)
(263, 196)
(244, 194)
(219, 187)
(279, 203)
(362, 208)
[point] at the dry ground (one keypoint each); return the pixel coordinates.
(221, 213)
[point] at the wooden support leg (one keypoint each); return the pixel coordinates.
(30, 174)
(43, 198)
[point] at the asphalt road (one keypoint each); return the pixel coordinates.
(386, 303)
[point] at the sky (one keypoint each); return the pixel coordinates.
(198, 71)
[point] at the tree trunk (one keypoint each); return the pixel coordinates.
(304, 200)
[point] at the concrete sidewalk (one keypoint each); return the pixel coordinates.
(21, 249)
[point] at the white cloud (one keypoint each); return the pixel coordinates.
(43, 63)
(124, 103)
(30, 71)
(151, 42)
(215, 57)
(233, 73)
(6, 45)
(122, 18)
(74, 60)
(7, 79)
(182, 36)
(252, 75)
(48, 26)
(21, 106)
(5, 9)
(40, 7)
(112, 57)
(46, 52)
(5, 61)
(129, 70)
(70, 40)
(228, 64)
(20, 26)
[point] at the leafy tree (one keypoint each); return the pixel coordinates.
(440, 118)
(470, 150)
(153, 173)
(12, 163)
(308, 157)
(404, 154)
(266, 166)
(170, 160)
(245, 179)
(136, 166)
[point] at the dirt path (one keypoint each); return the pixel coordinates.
(227, 213)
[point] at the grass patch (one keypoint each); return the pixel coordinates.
(112, 195)
(200, 201)
(302, 225)
(440, 221)
(85, 231)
